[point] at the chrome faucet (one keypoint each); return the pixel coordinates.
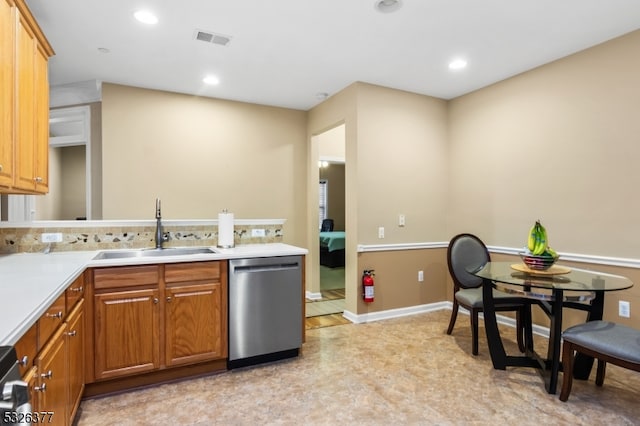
(161, 237)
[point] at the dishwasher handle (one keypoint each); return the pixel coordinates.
(266, 268)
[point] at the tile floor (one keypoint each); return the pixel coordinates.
(398, 371)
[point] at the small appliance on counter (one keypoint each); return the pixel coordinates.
(225, 229)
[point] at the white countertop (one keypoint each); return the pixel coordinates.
(31, 282)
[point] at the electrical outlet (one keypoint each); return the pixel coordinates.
(624, 309)
(52, 237)
(257, 233)
(420, 276)
(381, 232)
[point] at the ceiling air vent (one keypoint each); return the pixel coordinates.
(211, 37)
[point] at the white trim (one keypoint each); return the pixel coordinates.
(123, 223)
(312, 296)
(431, 307)
(401, 246)
(570, 257)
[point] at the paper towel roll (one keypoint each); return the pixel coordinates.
(225, 230)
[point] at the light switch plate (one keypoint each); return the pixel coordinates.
(258, 233)
(51, 237)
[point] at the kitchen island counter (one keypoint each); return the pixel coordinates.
(31, 282)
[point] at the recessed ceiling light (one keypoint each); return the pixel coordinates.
(211, 79)
(146, 17)
(387, 6)
(457, 64)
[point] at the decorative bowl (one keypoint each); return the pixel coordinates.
(538, 263)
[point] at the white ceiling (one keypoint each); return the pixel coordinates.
(283, 53)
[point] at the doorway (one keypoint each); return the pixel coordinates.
(327, 305)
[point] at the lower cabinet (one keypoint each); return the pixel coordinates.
(53, 379)
(126, 332)
(51, 358)
(151, 317)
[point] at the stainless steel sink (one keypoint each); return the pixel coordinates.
(178, 251)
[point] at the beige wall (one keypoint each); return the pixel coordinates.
(334, 174)
(200, 156)
(559, 144)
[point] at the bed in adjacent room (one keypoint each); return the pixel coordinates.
(332, 248)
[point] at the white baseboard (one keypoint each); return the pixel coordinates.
(430, 307)
(313, 296)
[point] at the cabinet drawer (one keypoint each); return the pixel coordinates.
(51, 320)
(125, 276)
(184, 272)
(75, 292)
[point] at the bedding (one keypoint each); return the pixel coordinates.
(332, 241)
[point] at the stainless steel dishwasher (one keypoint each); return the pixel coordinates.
(265, 309)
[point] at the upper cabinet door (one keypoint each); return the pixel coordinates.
(25, 109)
(7, 79)
(24, 101)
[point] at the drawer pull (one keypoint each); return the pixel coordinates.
(24, 361)
(47, 375)
(77, 289)
(168, 299)
(155, 300)
(56, 315)
(42, 388)
(72, 333)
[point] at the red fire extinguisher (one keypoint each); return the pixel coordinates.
(367, 285)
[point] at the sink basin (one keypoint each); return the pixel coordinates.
(178, 251)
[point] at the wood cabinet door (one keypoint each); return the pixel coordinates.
(41, 117)
(194, 327)
(25, 125)
(7, 91)
(126, 332)
(53, 377)
(75, 344)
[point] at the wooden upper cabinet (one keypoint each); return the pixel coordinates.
(24, 101)
(7, 79)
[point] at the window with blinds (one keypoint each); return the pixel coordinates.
(322, 211)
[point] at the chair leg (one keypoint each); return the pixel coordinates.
(474, 331)
(567, 370)
(602, 367)
(454, 315)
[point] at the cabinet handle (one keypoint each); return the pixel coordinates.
(47, 375)
(0, 167)
(72, 333)
(24, 361)
(155, 301)
(38, 179)
(77, 289)
(56, 315)
(42, 388)
(168, 299)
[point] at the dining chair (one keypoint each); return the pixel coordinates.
(606, 341)
(466, 251)
(327, 225)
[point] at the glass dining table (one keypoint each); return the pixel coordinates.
(553, 290)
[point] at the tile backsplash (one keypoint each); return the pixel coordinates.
(96, 235)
